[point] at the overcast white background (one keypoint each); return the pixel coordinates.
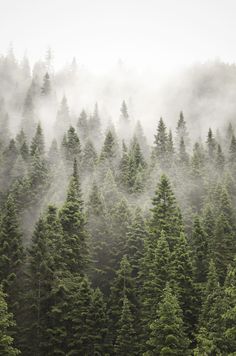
(143, 33)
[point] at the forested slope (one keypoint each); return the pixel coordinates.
(111, 244)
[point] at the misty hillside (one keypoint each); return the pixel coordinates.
(117, 210)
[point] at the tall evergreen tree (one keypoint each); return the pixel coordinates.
(200, 252)
(161, 141)
(11, 253)
(211, 314)
(82, 126)
(6, 323)
(126, 341)
(211, 144)
(73, 223)
(181, 130)
(229, 314)
(154, 274)
(37, 144)
(165, 213)
(182, 280)
(168, 335)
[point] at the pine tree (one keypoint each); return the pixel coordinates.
(161, 141)
(122, 285)
(208, 223)
(229, 314)
(39, 284)
(232, 150)
(211, 144)
(82, 125)
(126, 340)
(170, 149)
(205, 345)
(73, 224)
(220, 159)
(100, 239)
(80, 318)
(224, 246)
(120, 216)
(71, 331)
(89, 157)
(200, 252)
(138, 132)
(110, 190)
(198, 160)
(72, 148)
(154, 274)
(11, 253)
(181, 130)
(183, 156)
(136, 236)
(8, 160)
(37, 144)
(212, 308)
(99, 324)
(167, 335)
(182, 280)
(165, 213)
(109, 148)
(124, 167)
(38, 176)
(136, 163)
(6, 323)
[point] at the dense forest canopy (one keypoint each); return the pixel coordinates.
(117, 231)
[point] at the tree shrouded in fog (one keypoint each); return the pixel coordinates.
(116, 238)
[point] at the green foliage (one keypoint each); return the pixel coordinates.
(126, 341)
(182, 280)
(165, 213)
(73, 223)
(161, 141)
(167, 336)
(6, 323)
(200, 252)
(154, 274)
(11, 253)
(229, 314)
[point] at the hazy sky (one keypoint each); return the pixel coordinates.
(143, 33)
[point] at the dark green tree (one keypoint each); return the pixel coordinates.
(73, 223)
(11, 254)
(229, 314)
(161, 141)
(182, 281)
(6, 323)
(212, 308)
(200, 252)
(126, 340)
(165, 213)
(168, 335)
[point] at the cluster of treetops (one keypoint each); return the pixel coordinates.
(113, 247)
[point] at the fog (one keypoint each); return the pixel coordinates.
(110, 71)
